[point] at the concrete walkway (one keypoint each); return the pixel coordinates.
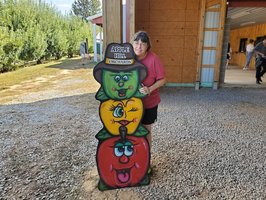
(235, 77)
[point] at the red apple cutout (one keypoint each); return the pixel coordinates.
(123, 162)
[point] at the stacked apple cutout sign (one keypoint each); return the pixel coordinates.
(123, 152)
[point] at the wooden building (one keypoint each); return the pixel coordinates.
(188, 35)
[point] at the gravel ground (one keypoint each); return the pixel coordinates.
(206, 145)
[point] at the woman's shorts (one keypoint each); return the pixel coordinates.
(150, 115)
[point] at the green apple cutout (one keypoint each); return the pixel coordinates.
(120, 85)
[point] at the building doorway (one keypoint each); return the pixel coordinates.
(246, 21)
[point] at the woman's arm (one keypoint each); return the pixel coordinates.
(259, 53)
(157, 84)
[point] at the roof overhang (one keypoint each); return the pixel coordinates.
(247, 3)
(96, 19)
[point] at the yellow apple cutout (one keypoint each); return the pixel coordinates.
(121, 113)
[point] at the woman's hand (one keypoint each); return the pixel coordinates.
(145, 90)
(148, 90)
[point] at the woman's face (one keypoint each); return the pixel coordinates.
(140, 48)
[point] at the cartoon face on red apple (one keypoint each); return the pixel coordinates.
(123, 162)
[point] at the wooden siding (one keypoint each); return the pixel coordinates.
(250, 32)
(173, 27)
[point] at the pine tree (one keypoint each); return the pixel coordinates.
(86, 8)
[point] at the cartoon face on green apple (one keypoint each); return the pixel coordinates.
(120, 85)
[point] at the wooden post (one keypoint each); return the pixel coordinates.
(130, 19)
(95, 44)
(112, 21)
(220, 41)
(200, 41)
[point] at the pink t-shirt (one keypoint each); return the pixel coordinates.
(155, 72)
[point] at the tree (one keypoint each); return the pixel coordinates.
(86, 8)
(31, 30)
(34, 44)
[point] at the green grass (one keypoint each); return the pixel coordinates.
(28, 73)
(52, 68)
(47, 76)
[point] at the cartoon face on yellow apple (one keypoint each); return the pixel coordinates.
(121, 113)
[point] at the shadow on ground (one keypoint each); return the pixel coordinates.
(73, 64)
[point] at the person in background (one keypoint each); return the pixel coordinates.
(228, 56)
(249, 53)
(260, 52)
(154, 80)
(82, 51)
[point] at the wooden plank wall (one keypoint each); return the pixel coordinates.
(250, 32)
(173, 28)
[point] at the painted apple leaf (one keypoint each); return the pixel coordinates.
(102, 186)
(101, 96)
(141, 131)
(103, 134)
(145, 180)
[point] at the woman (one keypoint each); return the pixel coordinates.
(228, 55)
(82, 51)
(249, 53)
(155, 78)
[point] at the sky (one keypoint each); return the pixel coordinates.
(64, 6)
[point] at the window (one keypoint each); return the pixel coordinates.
(242, 45)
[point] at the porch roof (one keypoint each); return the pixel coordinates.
(247, 3)
(96, 19)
